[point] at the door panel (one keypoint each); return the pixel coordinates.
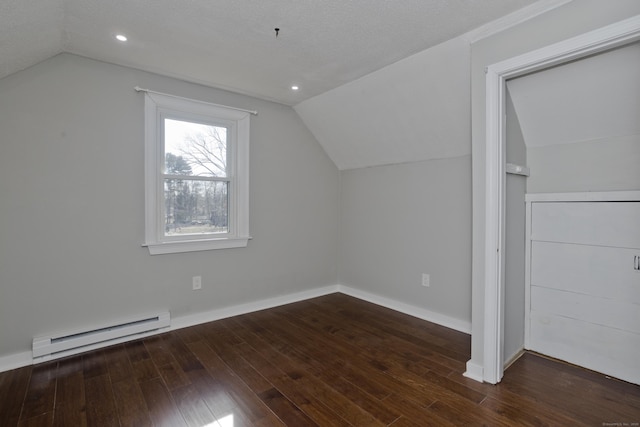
(600, 271)
(583, 285)
(612, 313)
(600, 348)
(590, 223)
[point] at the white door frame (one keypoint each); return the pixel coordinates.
(611, 36)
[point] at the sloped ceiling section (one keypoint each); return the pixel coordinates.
(416, 109)
(30, 31)
(232, 44)
(596, 98)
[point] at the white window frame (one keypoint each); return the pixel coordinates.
(157, 107)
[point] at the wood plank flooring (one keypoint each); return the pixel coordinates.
(329, 361)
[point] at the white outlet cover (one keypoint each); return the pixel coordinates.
(426, 281)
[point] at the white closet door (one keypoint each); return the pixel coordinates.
(584, 285)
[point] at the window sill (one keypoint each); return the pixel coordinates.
(196, 245)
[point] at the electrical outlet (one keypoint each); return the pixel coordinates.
(196, 282)
(426, 280)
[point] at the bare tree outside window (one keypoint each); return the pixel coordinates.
(196, 181)
(196, 175)
(206, 151)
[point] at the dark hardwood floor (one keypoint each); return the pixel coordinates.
(329, 361)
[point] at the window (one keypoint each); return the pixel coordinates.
(197, 175)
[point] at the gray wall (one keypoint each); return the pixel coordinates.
(400, 221)
(514, 307)
(569, 20)
(72, 209)
(401, 138)
(580, 123)
(603, 164)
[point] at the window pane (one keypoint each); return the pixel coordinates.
(195, 207)
(195, 149)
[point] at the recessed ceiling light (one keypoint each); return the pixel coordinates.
(121, 37)
(294, 87)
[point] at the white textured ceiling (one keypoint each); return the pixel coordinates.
(231, 43)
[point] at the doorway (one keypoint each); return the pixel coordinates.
(619, 34)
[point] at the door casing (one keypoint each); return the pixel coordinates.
(609, 37)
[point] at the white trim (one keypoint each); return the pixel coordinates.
(19, 360)
(156, 106)
(236, 310)
(140, 89)
(411, 310)
(517, 355)
(475, 371)
(494, 229)
(602, 39)
(15, 361)
(513, 19)
(596, 196)
(196, 245)
(614, 35)
(527, 275)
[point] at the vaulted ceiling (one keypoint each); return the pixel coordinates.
(232, 44)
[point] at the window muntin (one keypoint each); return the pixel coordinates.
(197, 183)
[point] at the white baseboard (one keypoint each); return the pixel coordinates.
(474, 371)
(236, 310)
(511, 360)
(14, 361)
(19, 360)
(411, 310)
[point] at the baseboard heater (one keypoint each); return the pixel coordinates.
(46, 348)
